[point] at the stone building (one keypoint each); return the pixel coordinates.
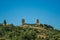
(23, 21)
(35, 24)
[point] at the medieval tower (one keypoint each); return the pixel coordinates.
(23, 21)
(37, 22)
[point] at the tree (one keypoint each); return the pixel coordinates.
(5, 22)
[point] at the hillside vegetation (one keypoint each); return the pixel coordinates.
(11, 32)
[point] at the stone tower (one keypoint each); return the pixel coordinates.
(23, 21)
(37, 22)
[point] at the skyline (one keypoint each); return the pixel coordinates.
(47, 11)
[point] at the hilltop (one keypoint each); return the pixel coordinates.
(26, 31)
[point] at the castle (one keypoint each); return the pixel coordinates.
(36, 23)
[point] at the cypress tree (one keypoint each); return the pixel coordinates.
(5, 22)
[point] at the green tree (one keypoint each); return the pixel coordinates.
(5, 22)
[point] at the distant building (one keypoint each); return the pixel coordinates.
(23, 21)
(35, 24)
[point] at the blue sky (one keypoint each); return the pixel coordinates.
(47, 11)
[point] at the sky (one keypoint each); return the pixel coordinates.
(47, 11)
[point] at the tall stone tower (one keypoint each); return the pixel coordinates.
(23, 21)
(37, 22)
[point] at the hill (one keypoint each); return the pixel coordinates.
(28, 32)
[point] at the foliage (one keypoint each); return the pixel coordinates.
(11, 32)
(4, 22)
